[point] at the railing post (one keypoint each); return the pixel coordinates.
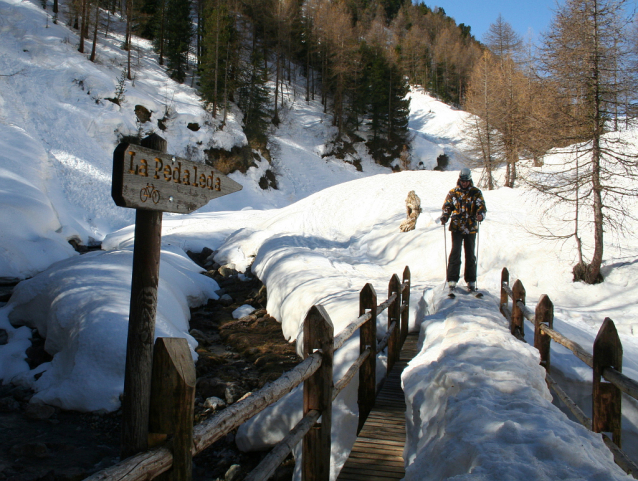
(172, 403)
(544, 315)
(517, 328)
(606, 398)
(505, 279)
(368, 340)
(405, 304)
(394, 315)
(317, 394)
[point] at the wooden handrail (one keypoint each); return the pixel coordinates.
(527, 312)
(384, 305)
(213, 429)
(349, 330)
(507, 289)
(383, 343)
(574, 347)
(606, 362)
(276, 456)
(152, 463)
(571, 405)
(350, 373)
(622, 382)
(620, 458)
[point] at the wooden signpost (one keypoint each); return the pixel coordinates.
(151, 180)
(147, 179)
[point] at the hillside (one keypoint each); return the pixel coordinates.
(325, 232)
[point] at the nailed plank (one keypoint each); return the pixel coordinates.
(378, 452)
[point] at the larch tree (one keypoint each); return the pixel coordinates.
(481, 101)
(506, 44)
(502, 40)
(583, 54)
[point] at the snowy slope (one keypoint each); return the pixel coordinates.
(326, 232)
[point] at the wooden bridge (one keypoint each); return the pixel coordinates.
(176, 441)
(378, 451)
(377, 455)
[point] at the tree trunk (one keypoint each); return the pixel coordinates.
(97, 22)
(129, 21)
(82, 26)
(216, 65)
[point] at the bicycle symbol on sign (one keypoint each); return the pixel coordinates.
(150, 192)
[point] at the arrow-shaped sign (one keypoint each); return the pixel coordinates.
(150, 180)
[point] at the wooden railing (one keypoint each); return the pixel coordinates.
(315, 371)
(606, 362)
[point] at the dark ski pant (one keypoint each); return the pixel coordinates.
(454, 264)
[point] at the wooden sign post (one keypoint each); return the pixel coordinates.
(147, 179)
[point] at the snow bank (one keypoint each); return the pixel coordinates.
(476, 397)
(81, 306)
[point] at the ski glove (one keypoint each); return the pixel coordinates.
(444, 219)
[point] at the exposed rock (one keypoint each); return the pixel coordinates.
(200, 258)
(142, 114)
(214, 403)
(268, 181)
(199, 336)
(212, 387)
(233, 393)
(225, 300)
(194, 126)
(233, 473)
(39, 411)
(227, 271)
(413, 206)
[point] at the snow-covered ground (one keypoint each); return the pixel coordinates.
(477, 404)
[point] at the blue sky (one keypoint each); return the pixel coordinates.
(521, 15)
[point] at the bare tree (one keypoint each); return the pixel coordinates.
(584, 56)
(483, 139)
(502, 40)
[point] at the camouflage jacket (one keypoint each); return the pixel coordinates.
(462, 207)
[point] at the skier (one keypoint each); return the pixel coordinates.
(465, 207)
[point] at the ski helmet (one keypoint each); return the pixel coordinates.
(465, 174)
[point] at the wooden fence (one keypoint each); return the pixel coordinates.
(173, 392)
(606, 362)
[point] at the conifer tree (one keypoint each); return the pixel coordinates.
(584, 56)
(218, 42)
(253, 97)
(178, 34)
(483, 139)
(388, 108)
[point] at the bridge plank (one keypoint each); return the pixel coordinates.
(377, 454)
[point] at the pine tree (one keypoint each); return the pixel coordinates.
(254, 99)
(388, 108)
(219, 46)
(178, 35)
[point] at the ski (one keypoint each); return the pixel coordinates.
(477, 294)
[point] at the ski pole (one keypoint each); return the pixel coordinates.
(445, 244)
(478, 225)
